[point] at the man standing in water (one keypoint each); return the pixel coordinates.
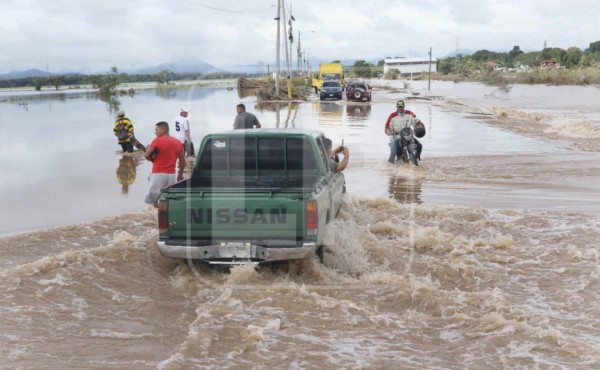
(163, 152)
(402, 118)
(244, 119)
(182, 130)
(123, 130)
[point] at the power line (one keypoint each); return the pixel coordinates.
(226, 10)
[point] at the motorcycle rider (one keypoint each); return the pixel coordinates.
(398, 120)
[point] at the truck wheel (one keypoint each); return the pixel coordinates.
(357, 95)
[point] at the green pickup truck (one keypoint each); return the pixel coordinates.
(254, 196)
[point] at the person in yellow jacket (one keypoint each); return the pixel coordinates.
(123, 130)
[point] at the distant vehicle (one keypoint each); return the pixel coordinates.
(358, 91)
(331, 90)
(328, 72)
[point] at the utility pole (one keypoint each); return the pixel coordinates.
(278, 19)
(304, 69)
(429, 83)
(299, 55)
(287, 54)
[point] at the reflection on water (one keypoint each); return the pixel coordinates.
(126, 172)
(330, 113)
(273, 106)
(330, 108)
(405, 190)
(277, 108)
(245, 93)
(358, 110)
(166, 92)
(25, 99)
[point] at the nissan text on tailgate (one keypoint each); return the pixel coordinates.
(254, 196)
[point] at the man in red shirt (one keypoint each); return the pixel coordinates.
(163, 152)
(399, 110)
(388, 131)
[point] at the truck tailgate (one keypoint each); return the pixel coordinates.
(215, 215)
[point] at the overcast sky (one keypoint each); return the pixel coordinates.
(93, 35)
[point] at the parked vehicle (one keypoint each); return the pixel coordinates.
(328, 72)
(254, 195)
(331, 90)
(358, 91)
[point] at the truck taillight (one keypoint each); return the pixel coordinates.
(312, 218)
(163, 216)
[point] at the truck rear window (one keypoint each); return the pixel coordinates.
(262, 154)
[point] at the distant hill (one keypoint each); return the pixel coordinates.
(196, 66)
(23, 74)
(188, 66)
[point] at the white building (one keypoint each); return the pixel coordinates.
(410, 66)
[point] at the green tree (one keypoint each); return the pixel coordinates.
(528, 59)
(109, 84)
(56, 81)
(556, 54)
(39, 82)
(392, 74)
(445, 66)
(594, 47)
(487, 56)
(164, 77)
(588, 60)
(512, 56)
(362, 69)
(94, 80)
(573, 57)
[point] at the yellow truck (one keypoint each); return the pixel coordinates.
(328, 72)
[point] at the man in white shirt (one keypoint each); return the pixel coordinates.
(181, 130)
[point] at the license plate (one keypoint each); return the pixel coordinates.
(239, 250)
(330, 94)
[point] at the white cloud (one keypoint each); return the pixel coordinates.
(92, 35)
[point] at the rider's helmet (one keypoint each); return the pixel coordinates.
(121, 114)
(400, 104)
(420, 129)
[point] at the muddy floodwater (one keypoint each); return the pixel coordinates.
(487, 255)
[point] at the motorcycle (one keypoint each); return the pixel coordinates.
(406, 147)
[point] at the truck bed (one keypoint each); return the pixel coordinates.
(247, 182)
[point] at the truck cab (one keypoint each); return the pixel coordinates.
(328, 72)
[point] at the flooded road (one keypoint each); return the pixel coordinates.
(485, 256)
(64, 156)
